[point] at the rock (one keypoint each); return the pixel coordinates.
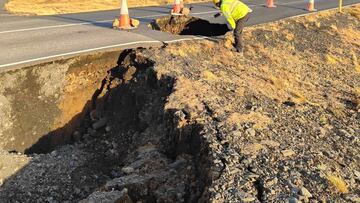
(112, 152)
(271, 182)
(305, 192)
(76, 136)
(91, 132)
(134, 22)
(53, 153)
(94, 115)
(289, 103)
(130, 73)
(86, 136)
(345, 133)
(127, 170)
(287, 152)
(357, 174)
(245, 197)
(295, 190)
(302, 199)
(50, 199)
(107, 128)
(217, 196)
(115, 23)
(77, 191)
(237, 133)
(248, 199)
(251, 132)
(351, 131)
(179, 116)
(321, 167)
(99, 124)
(322, 132)
(108, 197)
(185, 11)
(293, 200)
(133, 180)
(352, 198)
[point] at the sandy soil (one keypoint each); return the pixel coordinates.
(51, 7)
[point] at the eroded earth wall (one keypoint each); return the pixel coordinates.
(48, 101)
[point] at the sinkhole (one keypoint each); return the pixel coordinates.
(186, 25)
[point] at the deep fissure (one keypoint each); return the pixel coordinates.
(131, 101)
(185, 25)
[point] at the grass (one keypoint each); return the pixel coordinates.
(356, 63)
(331, 59)
(209, 76)
(183, 51)
(357, 91)
(338, 182)
(354, 12)
(51, 7)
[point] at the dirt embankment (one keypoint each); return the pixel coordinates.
(127, 148)
(194, 121)
(286, 115)
(44, 102)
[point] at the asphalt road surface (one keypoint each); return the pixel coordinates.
(27, 41)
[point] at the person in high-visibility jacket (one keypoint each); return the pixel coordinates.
(237, 14)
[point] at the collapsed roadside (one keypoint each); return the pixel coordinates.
(196, 122)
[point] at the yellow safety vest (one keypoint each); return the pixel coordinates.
(234, 10)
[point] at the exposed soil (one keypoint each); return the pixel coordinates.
(49, 93)
(186, 124)
(128, 142)
(184, 25)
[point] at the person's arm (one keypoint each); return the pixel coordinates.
(228, 17)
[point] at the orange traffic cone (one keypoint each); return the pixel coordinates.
(176, 10)
(311, 6)
(124, 19)
(270, 4)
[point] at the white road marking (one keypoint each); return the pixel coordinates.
(52, 26)
(78, 52)
(97, 49)
(88, 23)
(101, 48)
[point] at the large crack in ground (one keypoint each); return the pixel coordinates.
(128, 148)
(197, 126)
(140, 126)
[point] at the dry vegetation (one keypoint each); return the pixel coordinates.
(266, 70)
(293, 99)
(51, 7)
(338, 183)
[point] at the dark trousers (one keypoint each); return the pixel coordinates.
(240, 24)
